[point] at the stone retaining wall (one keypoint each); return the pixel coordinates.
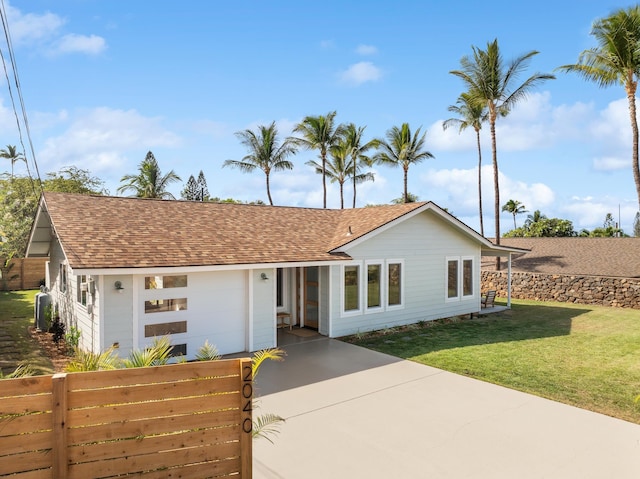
(604, 291)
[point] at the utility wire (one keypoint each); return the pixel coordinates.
(14, 68)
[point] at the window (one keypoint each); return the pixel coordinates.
(165, 305)
(163, 282)
(394, 285)
(351, 288)
(467, 277)
(62, 286)
(452, 278)
(459, 278)
(374, 286)
(163, 329)
(280, 288)
(81, 289)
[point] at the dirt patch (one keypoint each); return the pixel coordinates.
(59, 353)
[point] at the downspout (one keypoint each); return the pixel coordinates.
(509, 282)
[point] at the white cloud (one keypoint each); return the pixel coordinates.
(72, 43)
(366, 50)
(29, 27)
(100, 138)
(360, 73)
(590, 212)
(45, 30)
(609, 163)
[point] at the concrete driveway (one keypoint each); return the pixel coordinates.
(354, 413)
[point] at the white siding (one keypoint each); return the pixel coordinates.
(423, 242)
(264, 309)
(117, 321)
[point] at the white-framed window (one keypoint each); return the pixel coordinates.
(81, 289)
(351, 287)
(373, 293)
(163, 282)
(62, 285)
(282, 289)
(395, 283)
(459, 277)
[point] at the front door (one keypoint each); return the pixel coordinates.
(311, 296)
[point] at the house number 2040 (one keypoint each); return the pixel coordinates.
(247, 395)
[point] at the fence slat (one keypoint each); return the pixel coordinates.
(151, 392)
(144, 425)
(59, 408)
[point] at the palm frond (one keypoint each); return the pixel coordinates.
(274, 354)
(208, 352)
(266, 426)
(89, 361)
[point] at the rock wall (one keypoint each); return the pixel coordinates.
(604, 291)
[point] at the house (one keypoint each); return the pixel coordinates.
(610, 257)
(126, 270)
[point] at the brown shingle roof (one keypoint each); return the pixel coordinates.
(116, 232)
(616, 257)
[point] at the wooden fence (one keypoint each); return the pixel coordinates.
(23, 273)
(189, 420)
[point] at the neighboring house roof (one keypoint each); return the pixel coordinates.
(98, 232)
(615, 257)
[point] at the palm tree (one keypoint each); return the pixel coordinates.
(491, 82)
(401, 148)
(616, 61)
(337, 168)
(11, 153)
(515, 208)
(265, 153)
(318, 133)
(352, 136)
(149, 182)
(472, 115)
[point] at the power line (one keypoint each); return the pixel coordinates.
(14, 69)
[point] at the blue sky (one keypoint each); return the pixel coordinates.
(106, 81)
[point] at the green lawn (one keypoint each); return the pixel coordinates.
(16, 344)
(587, 356)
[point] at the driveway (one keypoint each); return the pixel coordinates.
(354, 413)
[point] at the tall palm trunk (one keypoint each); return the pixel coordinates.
(341, 195)
(354, 183)
(324, 178)
(480, 181)
(631, 87)
(268, 189)
(496, 184)
(406, 193)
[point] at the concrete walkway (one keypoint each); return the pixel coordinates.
(354, 413)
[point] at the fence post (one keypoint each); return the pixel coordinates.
(59, 410)
(246, 420)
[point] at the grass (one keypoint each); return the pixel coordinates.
(586, 356)
(16, 344)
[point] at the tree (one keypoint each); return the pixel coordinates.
(190, 190)
(11, 154)
(265, 153)
(352, 136)
(470, 115)
(201, 184)
(407, 197)
(491, 82)
(401, 148)
(515, 208)
(71, 179)
(616, 61)
(149, 182)
(319, 133)
(19, 198)
(538, 225)
(636, 225)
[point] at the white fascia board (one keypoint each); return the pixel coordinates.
(201, 269)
